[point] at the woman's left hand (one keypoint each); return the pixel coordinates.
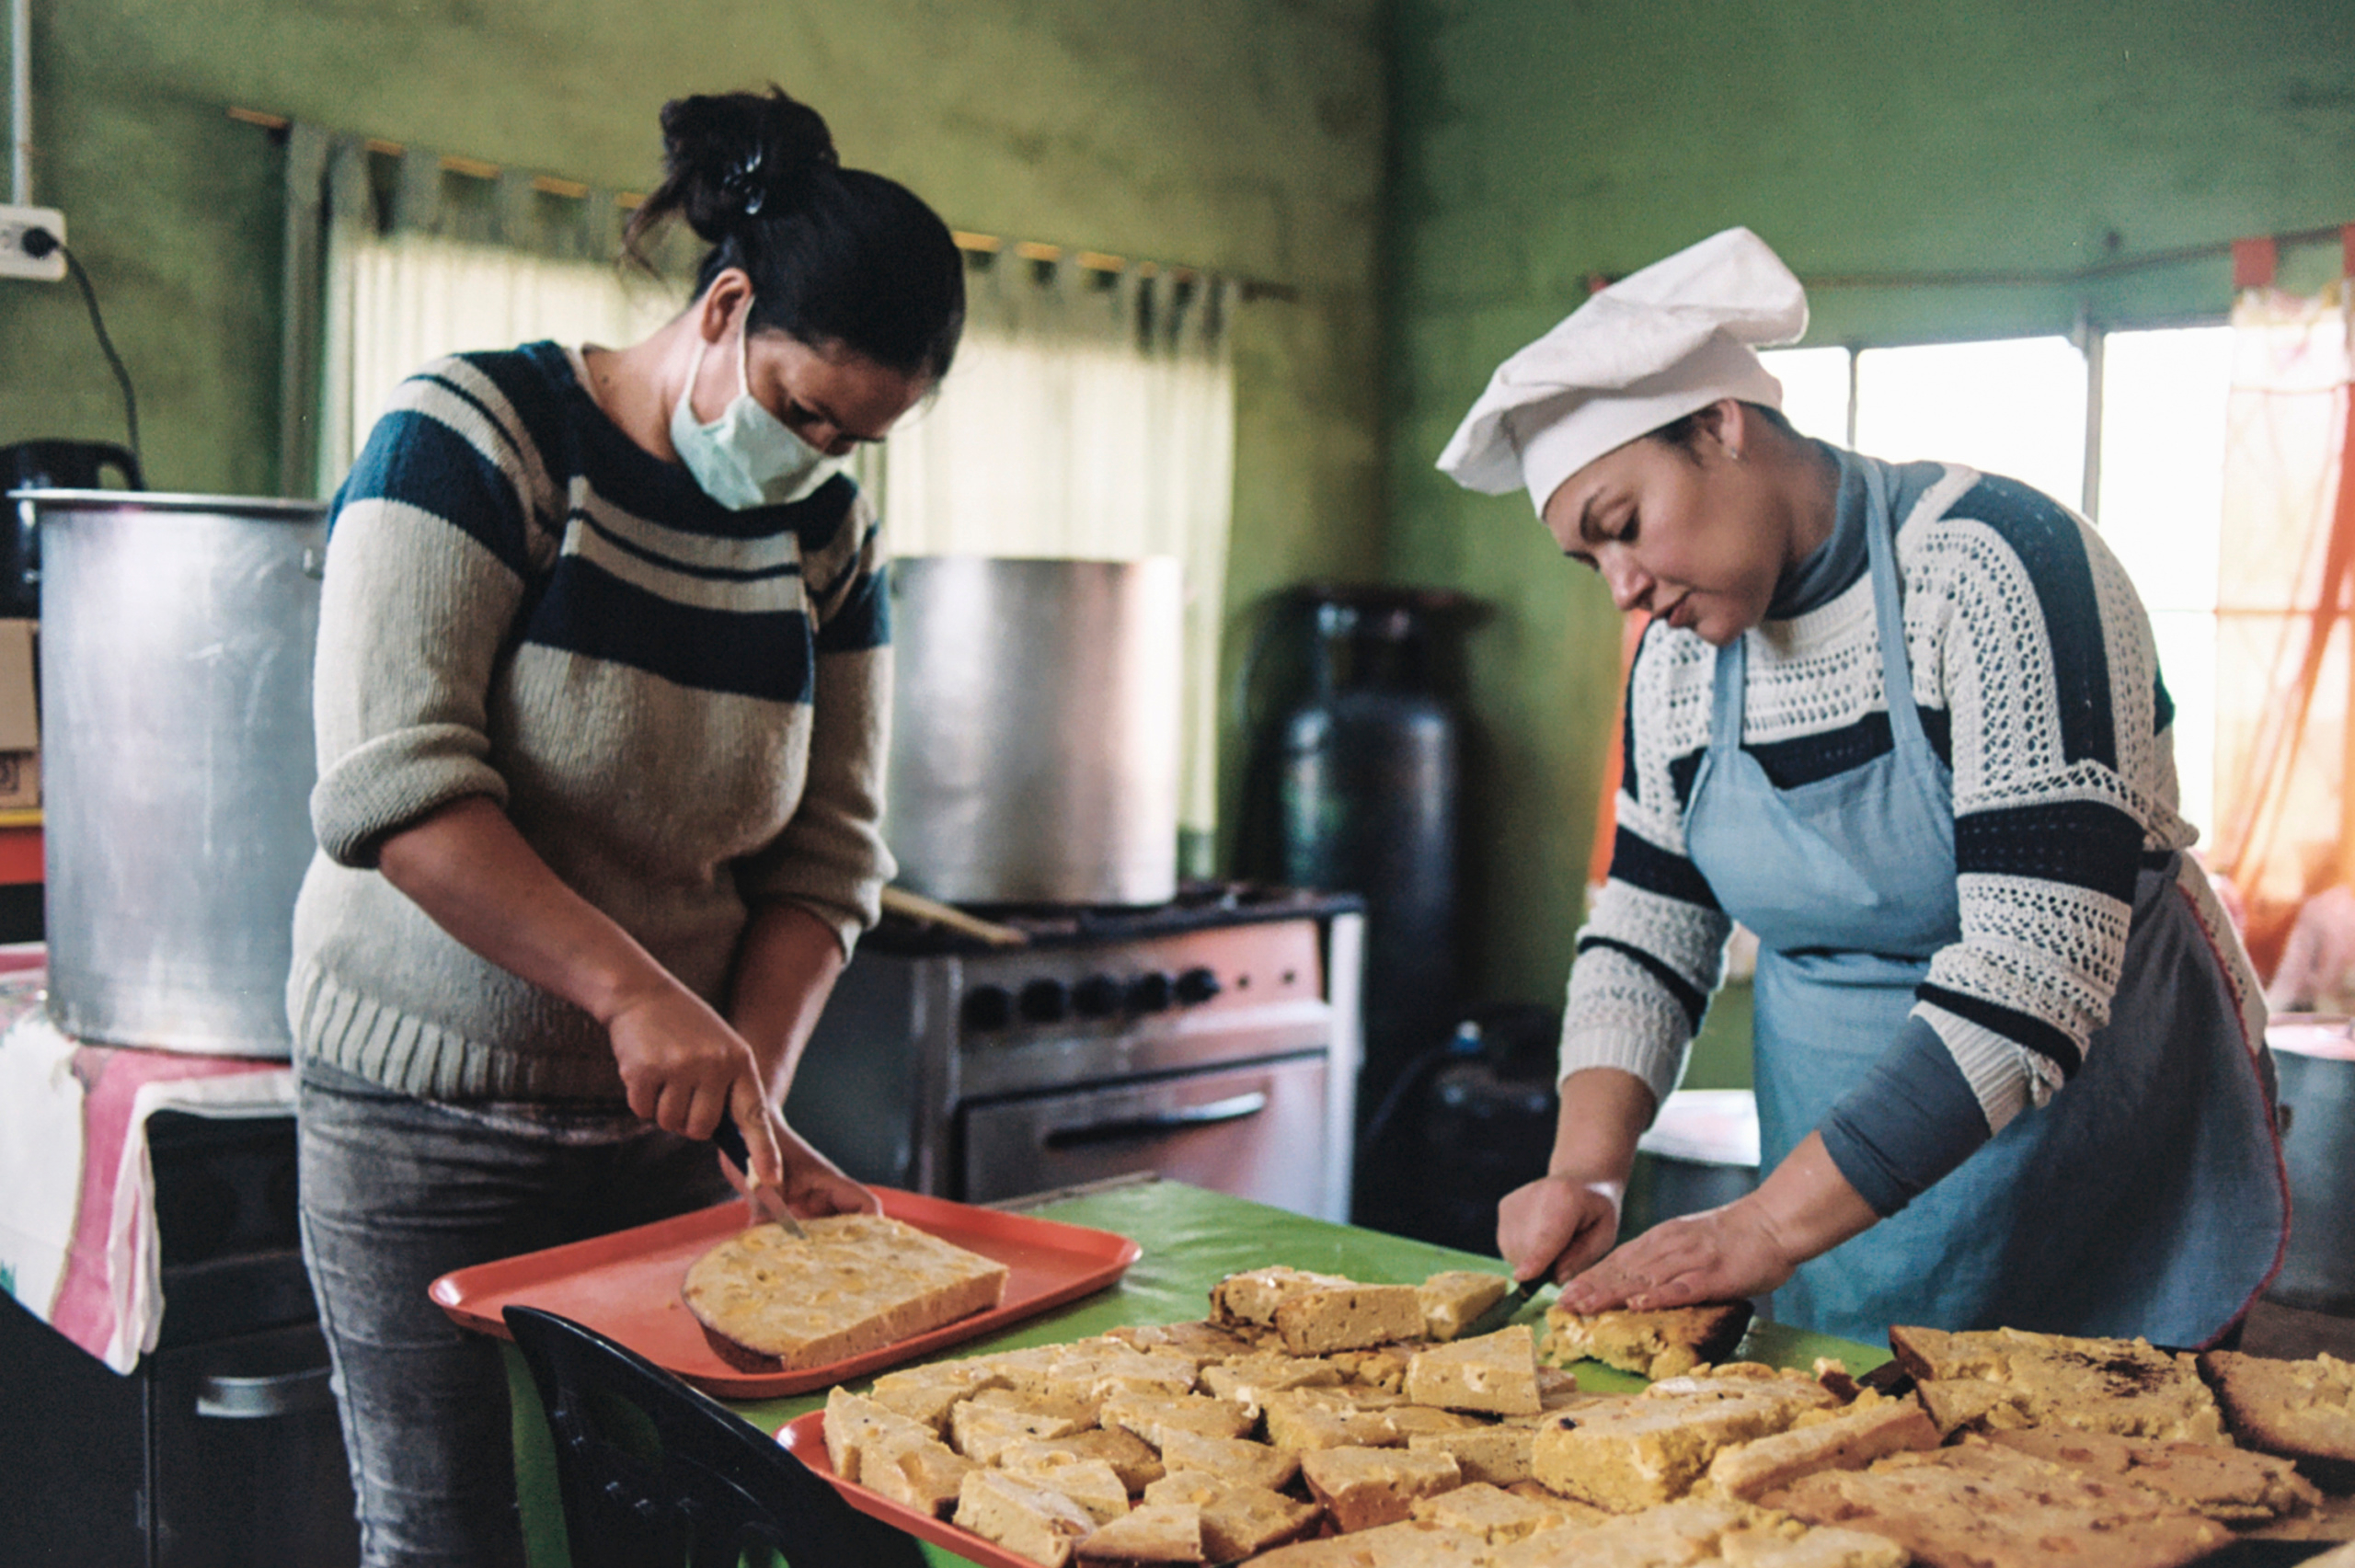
(1720, 1254)
(813, 1185)
(1803, 1209)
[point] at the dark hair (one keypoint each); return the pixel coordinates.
(836, 256)
(1680, 433)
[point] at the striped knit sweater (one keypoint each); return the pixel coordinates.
(2033, 668)
(681, 708)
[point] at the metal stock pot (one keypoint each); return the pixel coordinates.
(2315, 1060)
(1035, 730)
(176, 643)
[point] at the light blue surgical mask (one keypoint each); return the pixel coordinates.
(748, 457)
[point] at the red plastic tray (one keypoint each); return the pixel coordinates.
(805, 1439)
(625, 1286)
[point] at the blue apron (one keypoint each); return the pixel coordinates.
(2146, 1198)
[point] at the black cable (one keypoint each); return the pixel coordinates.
(37, 244)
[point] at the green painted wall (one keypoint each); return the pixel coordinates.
(1230, 134)
(1536, 141)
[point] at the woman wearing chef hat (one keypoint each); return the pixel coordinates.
(1906, 723)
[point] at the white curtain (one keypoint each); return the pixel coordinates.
(423, 259)
(1090, 415)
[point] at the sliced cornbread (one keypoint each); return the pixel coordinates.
(1247, 1380)
(1652, 1344)
(1238, 1519)
(1409, 1544)
(1675, 1534)
(1203, 1342)
(1364, 1487)
(1148, 1415)
(1451, 1300)
(979, 1431)
(854, 1425)
(1026, 1519)
(2214, 1478)
(1229, 1459)
(2120, 1386)
(1412, 1421)
(1088, 1482)
(1848, 1439)
(1157, 1532)
(926, 1393)
(768, 1301)
(926, 1475)
(1496, 1516)
(1977, 1505)
(1496, 1373)
(1131, 1458)
(1300, 1420)
(2301, 1410)
(1637, 1452)
(1497, 1454)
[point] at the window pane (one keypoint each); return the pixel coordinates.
(2163, 459)
(2015, 407)
(2163, 397)
(1815, 390)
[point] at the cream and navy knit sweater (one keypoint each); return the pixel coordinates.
(2034, 672)
(684, 710)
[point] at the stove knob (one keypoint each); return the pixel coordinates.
(1046, 1001)
(1097, 996)
(988, 1007)
(1197, 985)
(1149, 992)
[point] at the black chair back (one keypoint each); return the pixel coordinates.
(655, 1472)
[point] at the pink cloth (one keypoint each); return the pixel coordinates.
(82, 1255)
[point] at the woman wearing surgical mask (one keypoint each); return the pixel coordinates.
(1906, 723)
(602, 693)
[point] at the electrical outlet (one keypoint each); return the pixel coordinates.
(15, 224)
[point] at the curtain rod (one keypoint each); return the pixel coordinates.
(977, 244)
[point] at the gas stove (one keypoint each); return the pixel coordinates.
(1214, 1038)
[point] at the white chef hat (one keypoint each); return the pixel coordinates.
(1645, 351)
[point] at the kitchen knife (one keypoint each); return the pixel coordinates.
(1505, 1311)
(766, 1199)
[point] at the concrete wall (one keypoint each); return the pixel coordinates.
(1539, 141)
(1230, 134)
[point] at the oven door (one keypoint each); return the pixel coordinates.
(1257, 1131)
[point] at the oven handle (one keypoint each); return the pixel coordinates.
(264, 1399)
(1232, 1109)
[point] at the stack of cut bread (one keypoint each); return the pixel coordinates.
(1315, 1422)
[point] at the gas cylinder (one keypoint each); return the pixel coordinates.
(1368, 784)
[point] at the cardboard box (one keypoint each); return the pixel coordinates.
(20, 715)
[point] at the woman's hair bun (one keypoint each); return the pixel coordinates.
(729, 157)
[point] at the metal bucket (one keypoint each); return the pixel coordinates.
(2315, 1060)
(1035, 731)
(176, 645)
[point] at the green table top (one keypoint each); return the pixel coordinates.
(1192, 1238)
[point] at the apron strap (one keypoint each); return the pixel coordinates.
(1888, 614)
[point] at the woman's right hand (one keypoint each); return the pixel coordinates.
(683, 1068)
(1559, 1220)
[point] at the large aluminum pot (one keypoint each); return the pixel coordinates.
(2315, 1060)
(176, 643)
(1035, 731)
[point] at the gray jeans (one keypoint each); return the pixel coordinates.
(397, 1192)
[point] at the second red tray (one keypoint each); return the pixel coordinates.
(625, 1286)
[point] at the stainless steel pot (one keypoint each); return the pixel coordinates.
(1035, 732)
(175, 642)
(2315, 1060)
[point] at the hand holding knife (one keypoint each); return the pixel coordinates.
(766, 1200)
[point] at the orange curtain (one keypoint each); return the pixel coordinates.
(2285, 751)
